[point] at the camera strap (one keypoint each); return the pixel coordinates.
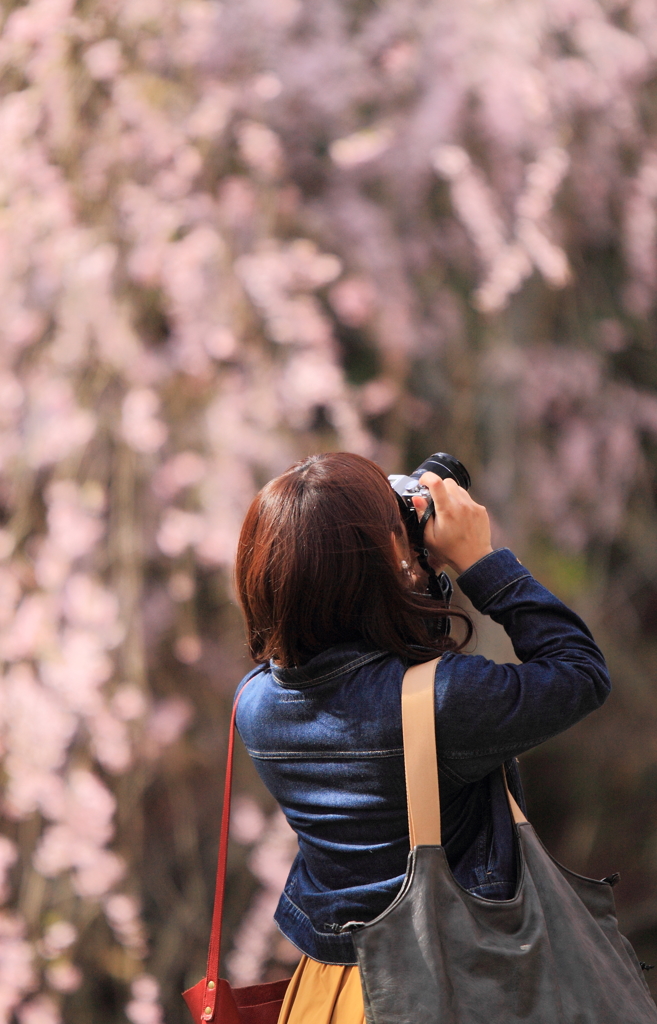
(439, 587)
(428, 512)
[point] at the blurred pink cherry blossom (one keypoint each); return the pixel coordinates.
(54, 425)
(63, 976)
(37, 732)
(188, 648)
(260, 149)
(166, 722)
(354, 300)
(110, 742)
(123, 913)
(128, 702)
(178, 531)
(361, 146)
(140, 427)
(183, 470)
(40, 1010)
(247, 821)
(73, 519)
(57, 938)
(144, 1007)
(77, 840)
(17, 975)
(270, 862)
(104, 59)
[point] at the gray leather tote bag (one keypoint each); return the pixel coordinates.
(441, 955)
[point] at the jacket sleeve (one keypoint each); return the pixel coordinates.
(487, 713)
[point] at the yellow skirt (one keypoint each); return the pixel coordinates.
(323, 994)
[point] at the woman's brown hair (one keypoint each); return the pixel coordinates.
(316, 566)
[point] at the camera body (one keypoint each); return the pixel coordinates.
(407, 487)
(447, 467)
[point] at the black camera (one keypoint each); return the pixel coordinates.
(406, 487)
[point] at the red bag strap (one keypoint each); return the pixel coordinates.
(214, 948)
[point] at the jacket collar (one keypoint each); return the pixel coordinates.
(334, 662)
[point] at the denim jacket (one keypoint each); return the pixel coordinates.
(326, 740)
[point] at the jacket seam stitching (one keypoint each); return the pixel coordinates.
(525, 576)
(305, 756)
(341, 670)
(454, 776)
(314, 755)
(463, 755)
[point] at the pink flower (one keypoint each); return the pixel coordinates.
(362, 146)
(57, 937)
(77, 839)
(104, 59)
(270, 862)
(12, 396)
(140, 427)
(40, 1010)
(183, 470)
(247, 822)
(210, 116)
(128, 702)
(73, 523)
(77, 670)
(178, 531)
(188, 649)
(180, 586)
(167, 721)
(110, 741)
(123, 913)
(30, 631)
(261, 149)
(145, 988)
(55, 425)
(64, 976)
(88, 604)
(354, 300)
(144, 1007)
(16, 968)
(38, 730)
(98, 873)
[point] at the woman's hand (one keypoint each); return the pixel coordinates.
(458, 534)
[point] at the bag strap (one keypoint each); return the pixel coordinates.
(421, 757)
(214, 948)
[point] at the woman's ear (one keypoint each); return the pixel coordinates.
(402, 552)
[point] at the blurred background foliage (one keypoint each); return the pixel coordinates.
(234, 232)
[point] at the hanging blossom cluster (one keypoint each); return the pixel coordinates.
(539, 69)
(505, 148)
(159, 344)
(508, 256)
(596, 449)
(273, 846)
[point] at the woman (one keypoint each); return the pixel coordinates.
(334, 618)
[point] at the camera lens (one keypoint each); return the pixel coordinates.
(446, 467)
